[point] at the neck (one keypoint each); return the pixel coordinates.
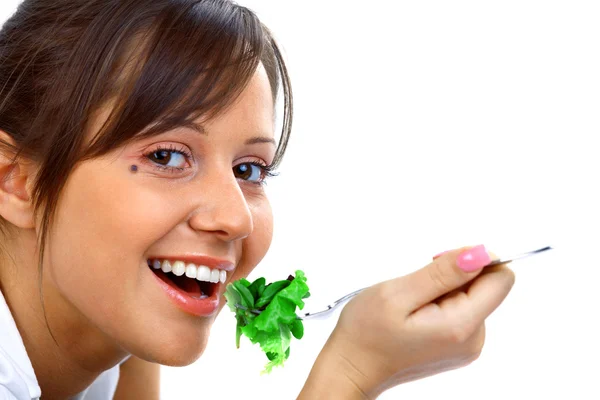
(66, 351)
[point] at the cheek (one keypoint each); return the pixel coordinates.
(102, 228)
(256, 245)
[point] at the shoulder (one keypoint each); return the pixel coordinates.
(5, 394)
(17, 377)
(12, 384)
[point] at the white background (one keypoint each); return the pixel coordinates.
(424, 126)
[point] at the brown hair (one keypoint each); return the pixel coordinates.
(160, 64)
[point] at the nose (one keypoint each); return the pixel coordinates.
(223, 209)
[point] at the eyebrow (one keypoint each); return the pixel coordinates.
(260, 139)
(253, 140)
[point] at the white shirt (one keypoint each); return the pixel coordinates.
(17, 378)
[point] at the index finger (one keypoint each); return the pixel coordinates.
(444, 274)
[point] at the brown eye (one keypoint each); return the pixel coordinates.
(161, 157)
(249, 172)
(169, 158)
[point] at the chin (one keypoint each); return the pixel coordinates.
(182, 352)
(170, 346)
(178, 358)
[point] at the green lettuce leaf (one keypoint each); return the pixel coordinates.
(266, 314)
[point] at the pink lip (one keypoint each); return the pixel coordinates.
(191, 305)
(210, 262)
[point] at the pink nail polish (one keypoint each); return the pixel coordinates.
(442, 253)
(473, 259)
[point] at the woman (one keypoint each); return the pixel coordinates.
(136, 138)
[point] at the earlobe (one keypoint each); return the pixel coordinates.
(15, 178)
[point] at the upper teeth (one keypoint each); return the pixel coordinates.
(200, 272)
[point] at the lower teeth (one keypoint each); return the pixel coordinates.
(204, 296)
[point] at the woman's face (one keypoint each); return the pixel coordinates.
(195, 198)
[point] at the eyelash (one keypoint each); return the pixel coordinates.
(266, 170)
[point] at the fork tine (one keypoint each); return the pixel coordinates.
(334, 305)
(241, 307)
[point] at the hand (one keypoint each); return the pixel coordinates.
(418, 325)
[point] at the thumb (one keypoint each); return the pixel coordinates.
(446, 273)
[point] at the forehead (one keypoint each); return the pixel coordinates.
(253, 111)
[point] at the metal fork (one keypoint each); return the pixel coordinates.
(347, 297)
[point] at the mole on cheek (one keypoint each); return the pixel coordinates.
(133, 168)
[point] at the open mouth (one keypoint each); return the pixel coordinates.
(196, 281)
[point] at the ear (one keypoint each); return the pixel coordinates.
(16, 177)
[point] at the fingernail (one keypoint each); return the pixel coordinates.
(473, 259)
(442, 253)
